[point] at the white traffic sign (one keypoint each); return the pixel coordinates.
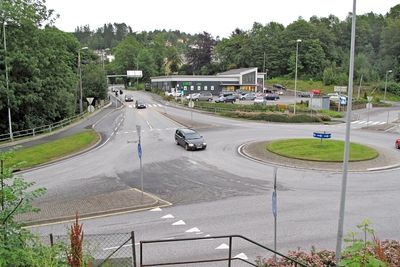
(340, 89)
(191, 104)
(90, 100)
(90, 109)
(369, 98)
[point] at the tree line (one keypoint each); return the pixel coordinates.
(42, 61)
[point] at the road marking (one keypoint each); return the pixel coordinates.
(168, 216)
(179, 223)
(241, 256)
(148, 124)
(222, 246)
(156, 209)
(193, 162)
(193, 230)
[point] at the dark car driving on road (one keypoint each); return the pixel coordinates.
(128, 98)
(189, 139)
(140, 104)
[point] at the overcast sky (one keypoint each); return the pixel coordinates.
(217, 17)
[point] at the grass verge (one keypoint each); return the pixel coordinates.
(25, 158)
(315, 150)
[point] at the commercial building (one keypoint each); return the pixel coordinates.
(247, 79)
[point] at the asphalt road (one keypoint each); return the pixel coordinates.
(217, 191)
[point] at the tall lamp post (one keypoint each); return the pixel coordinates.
(7, 86)
(384, 96)
(295, 76)
(80, 79)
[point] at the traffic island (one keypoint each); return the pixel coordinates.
(257, 151)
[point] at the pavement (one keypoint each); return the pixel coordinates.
(129, 200)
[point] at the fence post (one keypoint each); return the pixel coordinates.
(33, 132)
(141, 254)
(133, 249)
(230, 251)
(51, 240)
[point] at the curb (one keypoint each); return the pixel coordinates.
(241, 151)
(91, 215)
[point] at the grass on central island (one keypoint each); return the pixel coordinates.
(315, 150)
(25, 158)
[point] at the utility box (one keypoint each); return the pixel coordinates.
(319, 103)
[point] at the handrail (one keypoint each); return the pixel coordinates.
(229, 259)
(44, 128)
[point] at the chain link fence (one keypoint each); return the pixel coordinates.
(106, 250)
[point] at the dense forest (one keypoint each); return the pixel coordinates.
(42, 61)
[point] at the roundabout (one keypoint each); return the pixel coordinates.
(257, 151)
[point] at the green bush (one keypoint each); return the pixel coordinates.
(303, 118)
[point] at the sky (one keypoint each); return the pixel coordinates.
(217, 17)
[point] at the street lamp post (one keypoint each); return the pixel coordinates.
(384, 96)
(80, 80)
(7, 86)
(295, 76)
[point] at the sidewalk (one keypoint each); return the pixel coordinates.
(93, 206)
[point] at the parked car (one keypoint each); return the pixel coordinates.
(203, 96)
(140, 104)
(304, 94)
(260, 100)
(225, 98)
(128, 98)
(316, 91)
(279, 86)
(248, 96)
(271, 96)
(397, 143)
(192, 96)
(189, 139)
(334, 96)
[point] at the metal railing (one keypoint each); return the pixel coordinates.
(45, 128)
(229, 258)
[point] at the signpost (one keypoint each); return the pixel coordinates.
(369, 107)
(322, 135)
(274, 209)
(90, 101)
(140, 153)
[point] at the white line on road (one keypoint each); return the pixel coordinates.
(148, 124)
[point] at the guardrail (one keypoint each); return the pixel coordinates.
(45, 128)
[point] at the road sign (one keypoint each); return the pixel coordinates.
(369, 98)
(191, 103)
(139, 150)
(90, 100)
(340, 89)
(274, 203)
(90, 109)
(321, 135)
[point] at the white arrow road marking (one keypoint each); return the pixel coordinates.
(168, 216)
(222, 246)
(241, 256)
(207, 235)
(179, 223)
(156, 209)
(193, 230)
(199, 233)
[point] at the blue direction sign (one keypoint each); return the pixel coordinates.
(274, 203)
(139, 150)
(321, 135)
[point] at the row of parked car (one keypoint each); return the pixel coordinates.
(231, 97)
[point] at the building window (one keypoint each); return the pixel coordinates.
(212, 87)
(198, 87)
(191, 87)
(205, 87)
(185, 88)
